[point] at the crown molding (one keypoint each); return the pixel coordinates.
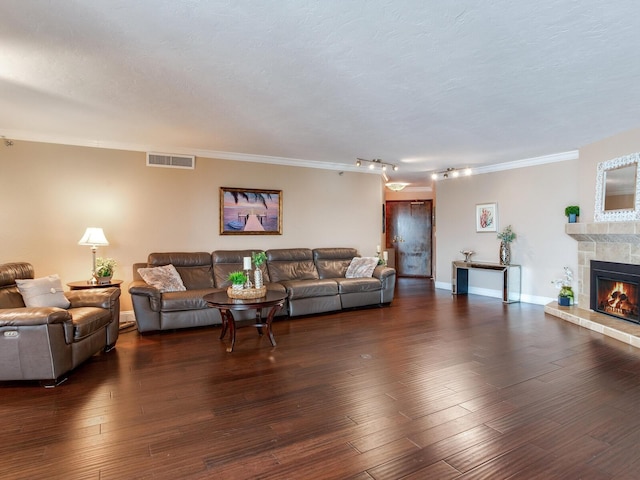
(246, 157)
(136, 147)
(527, 162)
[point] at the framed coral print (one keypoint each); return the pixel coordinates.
(486, 217)
(249, 211)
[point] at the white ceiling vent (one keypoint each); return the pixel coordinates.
(169, 160)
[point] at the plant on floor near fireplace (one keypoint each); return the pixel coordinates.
(565, 295)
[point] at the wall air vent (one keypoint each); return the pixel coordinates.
(169, 160)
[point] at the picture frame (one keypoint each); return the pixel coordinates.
(487, 217)
(250, 211)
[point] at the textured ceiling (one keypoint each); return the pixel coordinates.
(425, 84)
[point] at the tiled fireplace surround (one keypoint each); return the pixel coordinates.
(608, 242)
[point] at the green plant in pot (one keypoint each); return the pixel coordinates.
(104, 270)
(237, 279)
(565, 295)
(258, 258)
(572, 212)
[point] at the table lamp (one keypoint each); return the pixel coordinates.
(94, 237)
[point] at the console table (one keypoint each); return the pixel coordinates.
(511, 276)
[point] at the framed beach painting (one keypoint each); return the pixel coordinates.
(487, 217)
(250, 211)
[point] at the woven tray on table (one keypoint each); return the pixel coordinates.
(247, 293)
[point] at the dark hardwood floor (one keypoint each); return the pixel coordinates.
(433, 386)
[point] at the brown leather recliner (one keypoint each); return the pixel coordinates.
(44, 343)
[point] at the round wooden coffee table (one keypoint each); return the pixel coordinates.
(272, 300)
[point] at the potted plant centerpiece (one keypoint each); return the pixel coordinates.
(237, 279)
(506, 237)
(258, 258)
(104, 270)
(572, 212)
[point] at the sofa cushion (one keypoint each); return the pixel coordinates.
(88, 320)
(310, 288)
(361, 267)
(227, 261)
(43, 292)
(165, 278)
(358, 285)
(194, 268)
(333, 262)
(185, 300)
(291, 264)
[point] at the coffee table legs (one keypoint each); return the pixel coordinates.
(228, 322)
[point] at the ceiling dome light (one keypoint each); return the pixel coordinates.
(396, 186)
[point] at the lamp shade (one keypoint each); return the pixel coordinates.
(93, 236)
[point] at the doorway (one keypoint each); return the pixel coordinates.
(409, 233)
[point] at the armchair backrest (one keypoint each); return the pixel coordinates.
(9, 294)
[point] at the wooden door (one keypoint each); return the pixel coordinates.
(408, 229)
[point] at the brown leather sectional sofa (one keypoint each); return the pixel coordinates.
(314, 281)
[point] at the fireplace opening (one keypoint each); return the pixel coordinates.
(615, 289)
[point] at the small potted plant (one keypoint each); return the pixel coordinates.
(237, 279)
(565, 295)
(258, 258)
(572, 212)
(104, 270)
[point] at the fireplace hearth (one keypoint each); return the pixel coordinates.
(615, 290)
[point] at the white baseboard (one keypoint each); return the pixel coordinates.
(485, 292)
(127, 316)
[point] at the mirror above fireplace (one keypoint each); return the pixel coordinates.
(618, 190)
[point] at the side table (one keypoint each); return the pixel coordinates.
(84, 285)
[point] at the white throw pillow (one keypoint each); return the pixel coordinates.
(165, 278)
(43, 292)
(361, 267)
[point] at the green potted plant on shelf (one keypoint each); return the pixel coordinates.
(237, 279)
(572, 212)
(104, 270)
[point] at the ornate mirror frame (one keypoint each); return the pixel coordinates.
(623, 215)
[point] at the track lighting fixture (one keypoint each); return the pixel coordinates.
(450, 173)
(376, 162)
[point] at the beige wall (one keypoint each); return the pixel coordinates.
(592, 154)
(51, 193)
(532, 200)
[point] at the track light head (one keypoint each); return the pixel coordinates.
(371, 164)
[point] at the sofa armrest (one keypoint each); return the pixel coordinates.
(24, 317)
(94, 297)
(140, 287)
(382, 272)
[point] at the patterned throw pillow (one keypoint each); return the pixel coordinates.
(165, 278)
(361, 267)
(43, 292)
